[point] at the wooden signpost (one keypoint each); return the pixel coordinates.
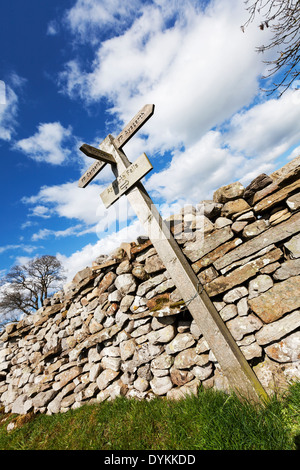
(97, 154)
(231, 360)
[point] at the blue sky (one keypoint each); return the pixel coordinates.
(73, 71)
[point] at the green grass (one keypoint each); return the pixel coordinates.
(210, 421)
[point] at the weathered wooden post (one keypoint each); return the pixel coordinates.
(231, 360)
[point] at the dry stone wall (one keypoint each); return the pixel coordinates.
(121, 328)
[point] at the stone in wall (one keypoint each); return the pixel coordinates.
(242, 274)
(272, 235)
(281, 298)
(260, 182)
(293, 245)
(203, 245)
(228, 193)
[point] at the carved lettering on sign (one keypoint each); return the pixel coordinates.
(130, 129)
(90, 174)
(134, 125)
(126, 180)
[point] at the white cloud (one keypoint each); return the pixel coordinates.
(253, 140)
(198, 68)
(46, 233)
(27, 224)
(2, 274)
(23, 260)
(21, 247)
(9, 107)
(47, 144)
(295, 153)
(53, 28)
(73, 80)
(2, 92)
(193, 173)
(41, 211)
(29, 248)
(88, 17)
(69, 201)
(198, 71)
(9, 247)
(274, 123)
(82, 258)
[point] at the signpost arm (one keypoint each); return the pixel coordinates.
(231, 360)
(90, 174)
(97, 154)
(134, 125)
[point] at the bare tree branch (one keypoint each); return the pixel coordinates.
(283, 18)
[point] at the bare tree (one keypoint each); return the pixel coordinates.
(25, 287)
(283, 19)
